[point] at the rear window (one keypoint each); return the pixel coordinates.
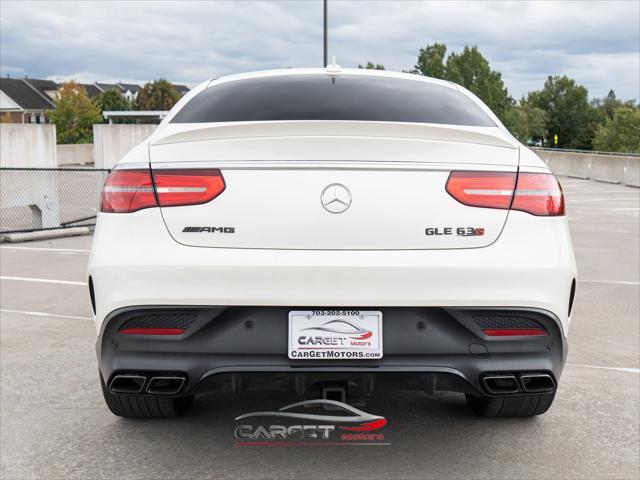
(321, 97)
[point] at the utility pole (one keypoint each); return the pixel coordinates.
(325, 35)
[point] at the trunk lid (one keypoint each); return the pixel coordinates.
(334, 185)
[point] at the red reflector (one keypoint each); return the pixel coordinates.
(482, 189)
(127, 191)
(509, 332)
(539, 194)
(152, 331)
(187, 187)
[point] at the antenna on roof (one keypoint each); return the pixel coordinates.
(333, 68)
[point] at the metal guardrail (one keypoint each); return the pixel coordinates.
(586, 152)
(49, 198)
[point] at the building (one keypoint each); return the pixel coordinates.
(26, 100)
(130, 90)
(182, 89)
(107, 86)
(91, 89)
(47, 88)
(22, 101)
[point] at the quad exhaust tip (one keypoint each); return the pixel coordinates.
(537, 382)
(165, 385)
(508, 384)
(134, 383)
(501, 384)
(127, 383)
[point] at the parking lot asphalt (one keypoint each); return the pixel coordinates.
(54, 423)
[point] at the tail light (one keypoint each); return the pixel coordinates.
(539, 194)
(187, 187)
(535, 193)
(127, 191)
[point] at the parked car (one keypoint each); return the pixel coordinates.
(331, 231)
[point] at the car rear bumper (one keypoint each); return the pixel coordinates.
(246, 347)
(135, 262)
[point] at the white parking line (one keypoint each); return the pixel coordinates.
(630, 190)
(614, 282)
(42, 280)
(54, 250)
(44, 314)
(580, 201)
(616, 369)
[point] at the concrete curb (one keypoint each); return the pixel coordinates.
(44, 234)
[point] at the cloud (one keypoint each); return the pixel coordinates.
(187, 42)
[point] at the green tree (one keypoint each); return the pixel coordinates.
(431, 61)
(568, 111)
(621, 133)
(74, 114)
(608, 105)
(112, 100)
(157, 95)
(372, 66)
(469, 69)
(526, 123)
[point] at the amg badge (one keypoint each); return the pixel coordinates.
(209, 229)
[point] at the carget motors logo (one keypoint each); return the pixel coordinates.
(351, 427)
(343, 327)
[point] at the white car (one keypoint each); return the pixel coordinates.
(331, 231)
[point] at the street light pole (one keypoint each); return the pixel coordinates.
(325, 35)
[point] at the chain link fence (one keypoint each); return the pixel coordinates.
(49, 198)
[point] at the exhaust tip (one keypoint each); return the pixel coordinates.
(127, 384)
(165, 385)
(500, 384)
(537, 382)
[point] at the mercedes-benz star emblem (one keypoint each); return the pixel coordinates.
(335, 198)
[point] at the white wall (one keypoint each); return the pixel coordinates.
(112, 142)
(595, 166)
(77, 154)
(28, 145)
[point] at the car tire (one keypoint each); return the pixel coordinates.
(515, 406)
(143, 406)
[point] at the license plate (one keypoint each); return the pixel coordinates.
(335, 334)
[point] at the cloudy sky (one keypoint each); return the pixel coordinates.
(187, 42)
